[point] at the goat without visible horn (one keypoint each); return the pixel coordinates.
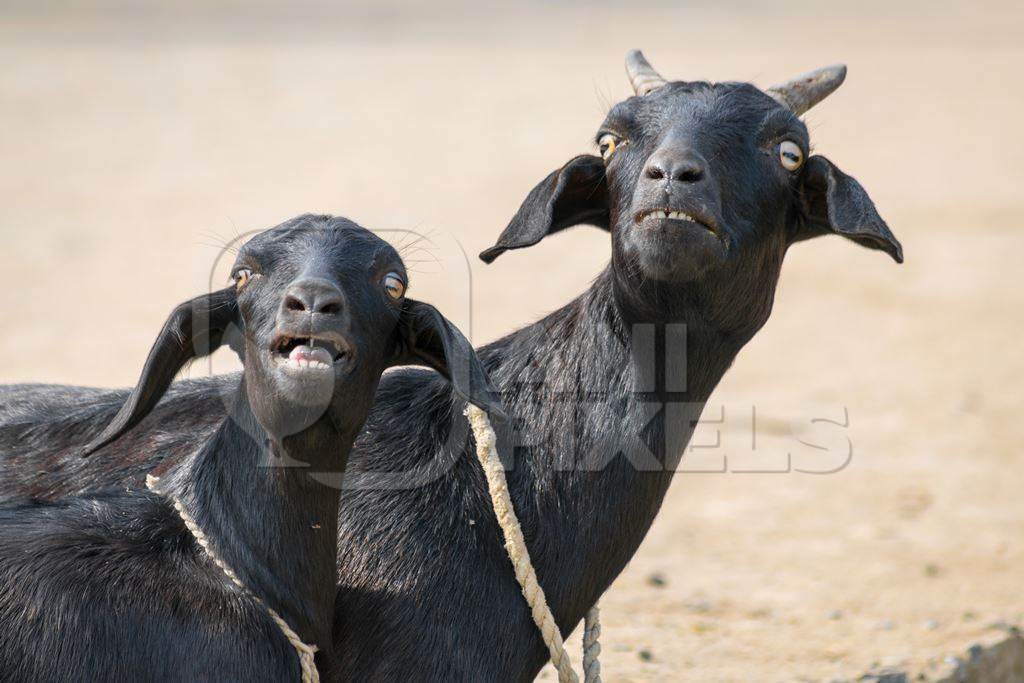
(231, 564)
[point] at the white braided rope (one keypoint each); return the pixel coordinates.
(591, 646)
(305, 651)
(515, 546)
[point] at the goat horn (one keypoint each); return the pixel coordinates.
(642, 75)
(806, 90)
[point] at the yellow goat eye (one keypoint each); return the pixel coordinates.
(394, 285)
(242, 278)
(790, 155)
(607, 144)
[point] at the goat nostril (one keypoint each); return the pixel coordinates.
(332, 308)
(294, 304)
(691, 175)
(655, 173)
(313, 296)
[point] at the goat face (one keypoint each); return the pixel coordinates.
(703, 183)
(320, 300)
(696, 178)
(317, 311)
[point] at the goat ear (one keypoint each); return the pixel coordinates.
(835, 203)
(195, 328)
(576, 193)
(428, 338)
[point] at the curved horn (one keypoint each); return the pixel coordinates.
(642, 75)
(806, 90)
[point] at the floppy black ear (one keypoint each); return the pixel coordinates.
(576, 193)
(835, 203)
(195, 328)
(428, 338)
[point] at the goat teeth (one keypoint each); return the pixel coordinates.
(304, 356)
(671, 215)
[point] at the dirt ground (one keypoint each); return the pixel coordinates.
(136, 141)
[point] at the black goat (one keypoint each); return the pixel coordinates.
(703, 187)
(116, 587)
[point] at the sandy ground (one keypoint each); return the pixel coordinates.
(136, 141)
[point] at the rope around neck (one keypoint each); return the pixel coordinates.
(304, 651)
(515, 546)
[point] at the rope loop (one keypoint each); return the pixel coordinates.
(515, 546)
(305, 651)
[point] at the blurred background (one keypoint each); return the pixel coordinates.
(137, 139)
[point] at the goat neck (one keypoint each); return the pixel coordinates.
(267, 518)
(609, 433)
(732, 302)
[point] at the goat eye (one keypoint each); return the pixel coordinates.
(394, 286)
(607, 144)
(791, 156)
(242, 278)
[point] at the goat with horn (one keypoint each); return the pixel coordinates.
(704, 188)
(798, 95)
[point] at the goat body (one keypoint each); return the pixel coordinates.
(114, 587)
(704, 187)
(426, 591)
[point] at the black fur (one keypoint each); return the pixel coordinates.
(426, 591)
(113, 586)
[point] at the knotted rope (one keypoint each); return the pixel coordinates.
(304, 651)
(515, 546)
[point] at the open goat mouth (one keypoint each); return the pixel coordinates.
(314, 352)
(667, 214)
